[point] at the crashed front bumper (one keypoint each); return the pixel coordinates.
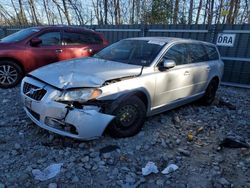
(85, 124)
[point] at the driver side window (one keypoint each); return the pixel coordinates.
(178, 53)
(50, 39)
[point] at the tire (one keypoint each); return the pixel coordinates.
(130, 117)
(210, 93)
(10, 74)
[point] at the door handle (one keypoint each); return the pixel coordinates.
(59, 51)
(186, 73)
(208, 68)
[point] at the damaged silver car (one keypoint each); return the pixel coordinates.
(121, 85)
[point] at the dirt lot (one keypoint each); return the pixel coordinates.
(109, 162)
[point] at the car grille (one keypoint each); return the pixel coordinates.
(33, 92)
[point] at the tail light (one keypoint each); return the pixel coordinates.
(88, 51)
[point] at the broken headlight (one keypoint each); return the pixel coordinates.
(79, 95)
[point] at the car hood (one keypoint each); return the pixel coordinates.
(84, 72)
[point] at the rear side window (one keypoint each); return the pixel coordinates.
(212, 52)
(50, 39)
(178, 53)
(70, 38)
(197, 53)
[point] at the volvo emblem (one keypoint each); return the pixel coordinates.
(32, 91)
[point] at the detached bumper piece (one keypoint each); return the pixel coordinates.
(78, 124)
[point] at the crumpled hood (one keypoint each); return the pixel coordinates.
(84, 72)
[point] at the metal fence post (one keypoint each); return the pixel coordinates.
(213, 31)
(5, 31)
(142, 29)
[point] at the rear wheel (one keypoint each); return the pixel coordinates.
(130, 117)
(210, 93)
(10, 74)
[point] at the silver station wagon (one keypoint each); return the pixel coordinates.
(121, 85)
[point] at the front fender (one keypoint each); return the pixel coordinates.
(125, 95)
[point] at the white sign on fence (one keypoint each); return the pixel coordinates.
(225, 40)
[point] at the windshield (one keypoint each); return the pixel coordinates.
(137, 52)
(20, 35)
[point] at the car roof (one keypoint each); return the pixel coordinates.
(62, 27)
(168, 39)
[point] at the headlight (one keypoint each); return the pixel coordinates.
(79, 95)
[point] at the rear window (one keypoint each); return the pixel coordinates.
(71, 38)
(212, 52)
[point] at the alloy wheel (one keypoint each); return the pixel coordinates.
(127, 115)
(8, 74)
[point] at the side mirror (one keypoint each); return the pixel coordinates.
(35, 42)
(167, 64)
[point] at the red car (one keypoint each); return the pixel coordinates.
(34, 47)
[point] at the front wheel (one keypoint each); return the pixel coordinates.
(129, 118)
(210, 93)
(10, 74)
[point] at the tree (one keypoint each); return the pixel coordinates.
(23, 12)
(159, 13)
(183, 13)
(248, 10)
(76, 7)
(219, 12)
(231, 7)
(210, 12)
(16, 12)
(98, 7)
(62, 8)
(33, 11)
(117, 12)
(198, 12)
(66, 11)
(236, 11)
(176, 10)
(132, 17)
(206, 11)
(190, 14)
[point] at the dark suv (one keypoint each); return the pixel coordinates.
(34, 47)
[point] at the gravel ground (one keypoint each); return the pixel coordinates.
(188, 137)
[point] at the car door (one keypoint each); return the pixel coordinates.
(49, 51)
(80, 43)
(174, 83)
(212, 61)
(199, 66)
